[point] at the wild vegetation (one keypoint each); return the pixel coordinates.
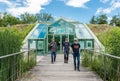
(13, 30)
(109, 34)
(11, 39)
(110, 38)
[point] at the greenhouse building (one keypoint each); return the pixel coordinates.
(41, 35)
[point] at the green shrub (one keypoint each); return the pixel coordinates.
(10, 42)
(86, 59)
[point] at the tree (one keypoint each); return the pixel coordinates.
(28, 18)
(115, 20)
(93, 20)
(8, 19)
(102, 19)
(44, 17)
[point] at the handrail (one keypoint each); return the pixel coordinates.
(110, 71)
(106, 54)
(9, 55)
(17, 64)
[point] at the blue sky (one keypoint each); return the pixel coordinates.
(80, 10)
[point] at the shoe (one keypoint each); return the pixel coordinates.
(78, 69)
(52, 62)
(66, 61)
(75, 69)
(54, 59)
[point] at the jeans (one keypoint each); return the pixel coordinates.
(76, 56)
(53, 56)
(66, 55)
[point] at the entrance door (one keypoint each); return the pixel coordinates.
(57, 40)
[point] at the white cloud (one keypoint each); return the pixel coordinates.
(109, 18)
(76, 3)
(6, 2)
(29, 6)
(114, 4)
(99, 10)
(104, 1)
(107, 10)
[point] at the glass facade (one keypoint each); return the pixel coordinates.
(61, 27)
(59, 30)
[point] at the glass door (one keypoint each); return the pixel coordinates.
(58, 42)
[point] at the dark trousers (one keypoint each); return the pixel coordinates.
(66, 55)
(76, 56)
(53, 56)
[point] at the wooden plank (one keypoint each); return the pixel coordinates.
(59, 71)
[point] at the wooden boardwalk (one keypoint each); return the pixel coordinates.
(59, 71)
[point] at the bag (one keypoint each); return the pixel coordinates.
(50, 47)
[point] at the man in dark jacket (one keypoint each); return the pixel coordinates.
(66, 48)
(53, 49)
(76, 54)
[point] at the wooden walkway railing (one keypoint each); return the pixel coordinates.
(12, 66)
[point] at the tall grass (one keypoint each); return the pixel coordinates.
(10, 42)
(111, 41)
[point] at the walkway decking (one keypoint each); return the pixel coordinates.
(59, 71)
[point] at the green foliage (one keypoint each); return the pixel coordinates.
(85, 59)
(102, 19)
(25, 30)
(115, 20)
(111, 40)
(26, 63)
(93, 20)
(10, 42)
(28, 18)
(44, 17)
(95, 61)
(8, 20)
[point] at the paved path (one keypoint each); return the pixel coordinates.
(59, 71)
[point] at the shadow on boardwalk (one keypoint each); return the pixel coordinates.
(59, 71)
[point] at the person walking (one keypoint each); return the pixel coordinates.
(76, 54)
(66, 48)
(53, 49)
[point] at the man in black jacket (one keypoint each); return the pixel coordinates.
(76, 54)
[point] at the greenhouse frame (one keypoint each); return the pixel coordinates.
(59, 30)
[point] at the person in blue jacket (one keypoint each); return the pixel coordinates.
(76, 54)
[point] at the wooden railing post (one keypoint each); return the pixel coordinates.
(118, 70)
(104, 68)
(28, 49)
